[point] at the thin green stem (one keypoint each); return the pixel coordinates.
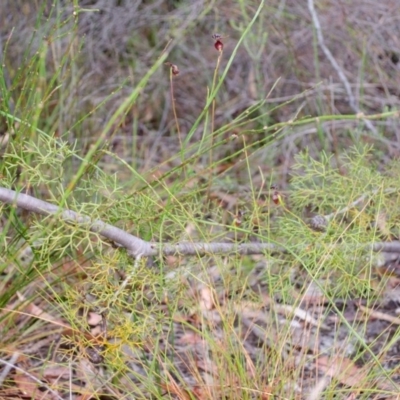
(213, 122)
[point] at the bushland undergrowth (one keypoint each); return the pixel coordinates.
(219, 324)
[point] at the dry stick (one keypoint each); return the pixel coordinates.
(135, 246)
(336, 66)
(327, 218)
(38, 381)
(321, 221)
(355, 203)
(8, 367)
(138, 248)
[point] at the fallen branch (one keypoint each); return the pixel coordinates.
(320, 222)
(137, 247)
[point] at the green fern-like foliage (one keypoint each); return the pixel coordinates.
(360, 204)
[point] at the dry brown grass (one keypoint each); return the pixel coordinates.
(122, 40)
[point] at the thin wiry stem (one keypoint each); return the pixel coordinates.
(178, 129)
(213, 106)
(212, 90)
(335, 65)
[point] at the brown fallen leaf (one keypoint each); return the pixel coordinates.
(29, 387)
(207, 301)
(94, 318)
(55, 372)
(39, 313)
(342, 369)
(173, 388)
(347, 373)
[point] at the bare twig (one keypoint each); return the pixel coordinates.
(138, 248)
(321, 221)
(135, 246)
(355, 203)
(38, 381)
(387, 247)
(8, 367)
(336, 66)
(375, 314)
